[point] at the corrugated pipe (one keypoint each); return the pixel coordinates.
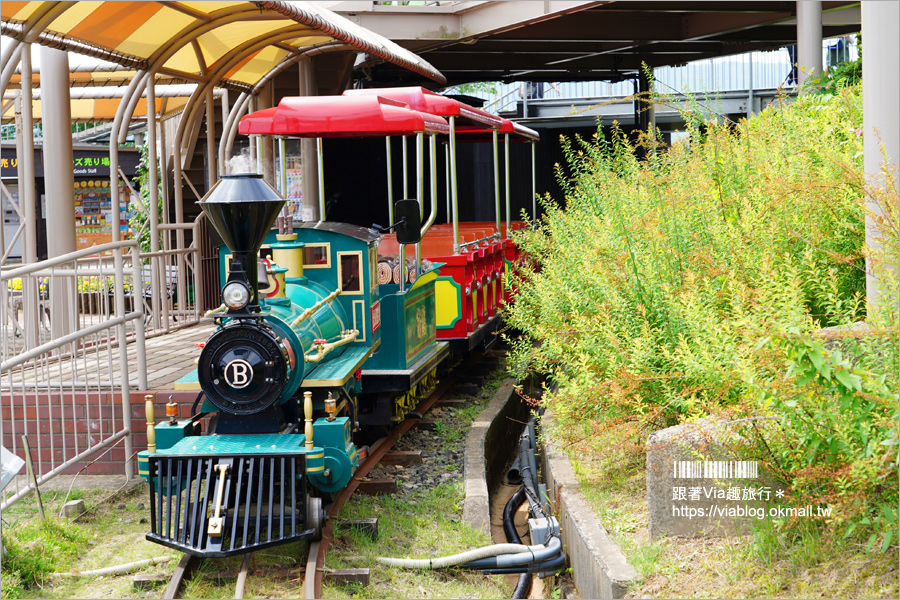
(523, 585)
(116, 570)
(549, 551)
(457, 559)
(550, 566)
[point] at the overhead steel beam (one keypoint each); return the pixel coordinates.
(460, 22)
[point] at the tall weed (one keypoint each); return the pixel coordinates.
(664, 286)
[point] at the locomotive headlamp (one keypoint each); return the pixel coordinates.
(236, 295)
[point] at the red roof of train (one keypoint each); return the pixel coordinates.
(341, 116)
(418, 98)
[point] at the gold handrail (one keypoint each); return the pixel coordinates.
(309, 311)
(323, 349)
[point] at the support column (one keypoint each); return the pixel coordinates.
(809, 40)
(211, 162)
(881, 125)
(267, 100)
(27, 200)
(308, 160)
(57, 122)
(156, 269)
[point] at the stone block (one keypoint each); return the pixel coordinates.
(699, 484)
(73, 508)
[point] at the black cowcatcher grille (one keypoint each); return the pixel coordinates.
(263, 502)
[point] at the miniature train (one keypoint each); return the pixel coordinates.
(313, 354)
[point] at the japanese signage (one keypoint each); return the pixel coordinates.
(85, 163)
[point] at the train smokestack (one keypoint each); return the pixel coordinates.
(243, 208)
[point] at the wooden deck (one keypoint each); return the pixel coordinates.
(169, 357)
(172, 356)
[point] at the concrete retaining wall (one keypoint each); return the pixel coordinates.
(599, 568)
(497, 428)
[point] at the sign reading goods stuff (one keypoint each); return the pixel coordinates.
(85, 163)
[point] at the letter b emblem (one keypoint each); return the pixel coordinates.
(238, 373)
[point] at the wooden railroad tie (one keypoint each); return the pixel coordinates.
(403, 458)
(142, 581)
(453, 402)
(377, 487)
(425, 425)
(343, 576)
(467, 388)
(368, 527)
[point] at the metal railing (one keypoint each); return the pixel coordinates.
(67, 388)
(72, 337)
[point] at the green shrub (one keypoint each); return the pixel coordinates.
(36, 549)
(837, 440)
(660, 282)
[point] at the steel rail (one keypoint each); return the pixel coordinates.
(183, 571)
(312, 586)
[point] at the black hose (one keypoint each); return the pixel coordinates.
(529, 477)
(523, 585)
(196, 403)
(514, 475)
(554, 564)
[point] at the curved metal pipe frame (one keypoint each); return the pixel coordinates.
(154, 196)
(230, 125)
(496, 181)
(453, 186)
(420, 191)
(294, 11)
(226, 143)
(506, 159)
(114, 141)
(534, 184)
(234, 57)
(9, 66)
(41, 18)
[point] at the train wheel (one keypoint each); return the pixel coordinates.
(315, 517)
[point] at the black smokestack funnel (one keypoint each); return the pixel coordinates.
(243, 208)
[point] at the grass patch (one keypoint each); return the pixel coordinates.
(421, 525)
(774, 562)
(109, 534)
(36, 549)
(457, 428)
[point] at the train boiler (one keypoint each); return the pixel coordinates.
(280, 380)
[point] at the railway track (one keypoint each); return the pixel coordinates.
(314, 568)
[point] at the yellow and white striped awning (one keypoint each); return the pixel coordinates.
(237, 42)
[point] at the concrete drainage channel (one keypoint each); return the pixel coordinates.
(599, 568)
